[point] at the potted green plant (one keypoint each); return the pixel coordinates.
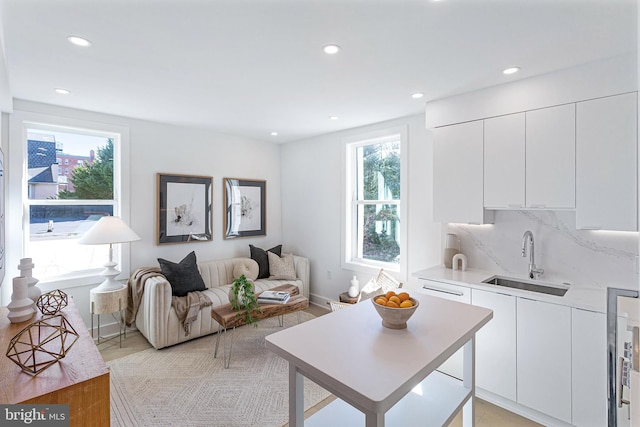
(243, 299)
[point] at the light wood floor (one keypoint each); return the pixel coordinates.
(486, 414)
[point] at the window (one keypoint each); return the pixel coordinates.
(374, 182)
(55, 209)
(66, 161)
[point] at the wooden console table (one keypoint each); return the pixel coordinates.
(80, 379)
(382, 375)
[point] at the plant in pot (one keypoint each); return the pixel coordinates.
(243, 298)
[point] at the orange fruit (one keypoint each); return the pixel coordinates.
(395, 299)
(392, 304)
(381, 300)
(403, 296)
(390, 294)
(406, 304)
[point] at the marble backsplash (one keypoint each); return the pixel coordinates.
(594, 259)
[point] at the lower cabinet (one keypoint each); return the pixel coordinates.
(589, 364)
(496, 344)
(544, 357)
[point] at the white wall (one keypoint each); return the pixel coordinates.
(312, 209)
(154, 148)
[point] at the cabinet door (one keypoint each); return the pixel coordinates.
(496, 344)
(606, 163)
(589, 364)
(457, 173)
(453, 365)
(544, 357)
(550, 157)
(504, 161)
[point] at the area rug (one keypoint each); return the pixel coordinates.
(184, 385)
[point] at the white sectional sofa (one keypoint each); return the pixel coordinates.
(158, 322)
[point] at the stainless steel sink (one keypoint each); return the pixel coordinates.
(527, 285)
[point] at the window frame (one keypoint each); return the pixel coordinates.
(349, 240)
(18, 206)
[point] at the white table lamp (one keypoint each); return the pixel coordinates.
(109, 230)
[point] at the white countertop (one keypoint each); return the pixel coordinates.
(593, 299)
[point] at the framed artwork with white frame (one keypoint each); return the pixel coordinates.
(245, 208)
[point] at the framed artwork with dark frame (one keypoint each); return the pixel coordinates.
(185, 211)
(245, 208)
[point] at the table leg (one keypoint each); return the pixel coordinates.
(469, 381)
(374, 419)
(215, 353)
(296, 397)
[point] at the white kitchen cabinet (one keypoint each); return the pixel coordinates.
(504, 161)
(457, 174)
(496, 344)
(606, 163)
(544, 357)
(550, 157)
(589, 364)
(453, 365)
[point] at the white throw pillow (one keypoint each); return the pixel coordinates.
(245, 266)
(281, 267)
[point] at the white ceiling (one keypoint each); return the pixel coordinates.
(250, 67)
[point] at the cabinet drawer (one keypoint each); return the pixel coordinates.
(445, 290)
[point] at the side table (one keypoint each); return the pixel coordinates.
(110, 302)
(344, 297)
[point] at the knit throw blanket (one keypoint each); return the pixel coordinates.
(187, 307)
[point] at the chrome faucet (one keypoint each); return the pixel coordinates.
(534, 272)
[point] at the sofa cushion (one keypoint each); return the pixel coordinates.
(281, 268)
(246, 266)
(184, 276)
(259, 255)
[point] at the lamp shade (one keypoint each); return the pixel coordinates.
(108, 229)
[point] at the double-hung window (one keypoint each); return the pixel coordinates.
(374, 220)
(57, 209)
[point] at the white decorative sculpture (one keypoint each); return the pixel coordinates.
(26, 270)
(21, 308)
(354, 290)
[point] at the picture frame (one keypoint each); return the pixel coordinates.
(185, 211)
(245, 207)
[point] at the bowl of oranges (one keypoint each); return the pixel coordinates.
(395, 308)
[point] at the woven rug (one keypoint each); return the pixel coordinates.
(185, 385)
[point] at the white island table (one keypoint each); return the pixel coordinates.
(382, 375)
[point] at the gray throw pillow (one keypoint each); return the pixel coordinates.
(260, 256)
(184, 276)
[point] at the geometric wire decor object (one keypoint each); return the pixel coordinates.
(42, 343)
(52, 302)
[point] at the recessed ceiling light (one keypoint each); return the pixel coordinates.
(62, 91)
(417, 95)
(510, 70)
(333, 117)
(331, 49)
(79, 41)
(274, 133)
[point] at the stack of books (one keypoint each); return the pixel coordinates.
(273, 297)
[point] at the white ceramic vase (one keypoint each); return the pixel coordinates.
(26, 270)
(21, 308)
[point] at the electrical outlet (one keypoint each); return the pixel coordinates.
(329, 275)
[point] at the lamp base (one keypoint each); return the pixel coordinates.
(110, 283)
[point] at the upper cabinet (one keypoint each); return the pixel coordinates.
(551, 157)
(606, 175)
(504, 161)
(529, 159)
(457, 174)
